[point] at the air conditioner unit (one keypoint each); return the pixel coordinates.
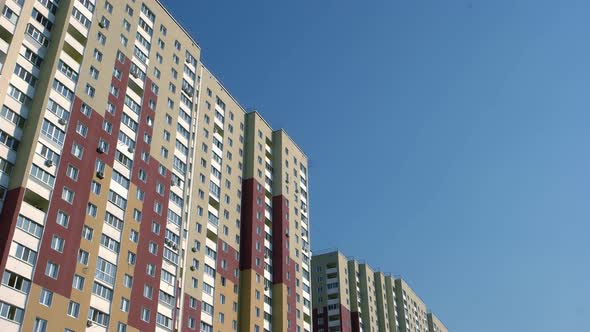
(100, 149)
(188, 60)
(134, 73)
(174, 246)
(101, 24)
(193, 268)
(62, 121)
(172, 183)
(100, 175)
(193, 249)
(89, 323)
(265, 288)
(48, 162)
(287, 233)
(265, 256)
(130, 149)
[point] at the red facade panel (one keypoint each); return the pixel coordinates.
(230, 257)
(149, 216)
(190, 312)
(250, 224)
(12, 203)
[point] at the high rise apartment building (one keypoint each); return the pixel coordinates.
(435, 325)
(349, 296)
(136, 194)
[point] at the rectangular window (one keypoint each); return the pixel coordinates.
(83, 257)
(60, 88)
(78, 282)
(73, 309)
(102, 291)
(57, 243)
(98, 317)
(29, 226)
(124, 304)
(11, 312)
(87, 233)
(51, 270)
(105, 271)
(52, 132)
(67, 70)
(109, 243)
(16, 281)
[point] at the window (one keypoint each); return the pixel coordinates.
(78, 282)
(12, 116)
(150, 270)
(114, 90)
(127, 281)
(80, 17)
(134, 236)
(95, 187)
(153, 248)
(11, 312)
(98, 317)
(104, 23)
(39, 37)
(94, 72)
(16, 281)
(124, 39)
(117, 199)
(91, 210)
(145, 315)
(51, 270)
(102, 291)
(87, 233)
(124, 304)
(97, 55)
(73, 309)
(131, 258)
(40, 325)
(108, 7)
(126, 25)
(167, 277)
(109, 243)
(67, 195)
(90, 91)
(77, 150)
(72, 172)
(105, 271)
(24, 74)
(53, 132)
(83, 257)
(167, 298)
(57, 243)
(148, 291)
(29, 226)
(81, 129)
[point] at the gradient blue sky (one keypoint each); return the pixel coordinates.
(448, 140)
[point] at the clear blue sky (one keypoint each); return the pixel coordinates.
(448, 140)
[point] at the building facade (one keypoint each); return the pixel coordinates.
(136, 194)
(435, 325)
(349, 296)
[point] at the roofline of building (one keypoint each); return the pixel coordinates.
(196, 43)
(254, 111)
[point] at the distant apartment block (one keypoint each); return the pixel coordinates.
(136, 194)
(349, 296)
